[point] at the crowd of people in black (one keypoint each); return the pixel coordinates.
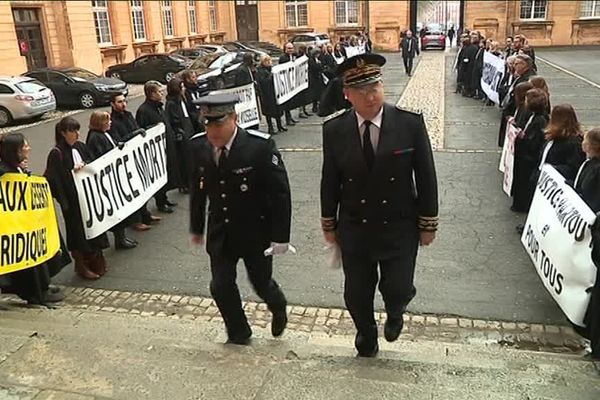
(546, 135)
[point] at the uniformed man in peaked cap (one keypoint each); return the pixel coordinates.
(242, 175)
(378, 198)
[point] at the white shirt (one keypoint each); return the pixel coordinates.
(76, 157)
(110, 139)
(374, 129)
(217, 151)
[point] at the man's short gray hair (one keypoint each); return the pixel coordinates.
(526, 58)
(151, 86)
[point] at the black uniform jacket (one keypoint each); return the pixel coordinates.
(249, 197)
(383, 209)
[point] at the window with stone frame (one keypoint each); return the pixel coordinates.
(137, 20)
(192, 20)
(102, 21)
(212, 14)
(346, 12)
(296, 13)
(590, 9)
(533, 9)
(167, 17)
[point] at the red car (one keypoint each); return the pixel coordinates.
(433, 39)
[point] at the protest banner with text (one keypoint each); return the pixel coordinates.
(28, 232)
(290, 79)
(120, 182)
(507, 159)
(352, 51)
(493, 71)
(558, 239)
(247, 108)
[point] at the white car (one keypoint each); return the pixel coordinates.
(22, 97)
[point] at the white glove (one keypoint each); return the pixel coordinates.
(279, 248)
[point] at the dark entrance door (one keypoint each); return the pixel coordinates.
(29, 37)
(246, 15)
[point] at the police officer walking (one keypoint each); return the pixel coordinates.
(242, 175)
(378, 198)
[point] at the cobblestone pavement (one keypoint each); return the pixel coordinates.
(425, 93)
(330, 321)
(134, 91)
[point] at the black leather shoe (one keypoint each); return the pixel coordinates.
(393, 328)
(165, 209)
(241, 340)
(125, 244)
(282, 129)
(290, 123)
(278, 323)
(301, 115)
(170, 203)
(366, 347)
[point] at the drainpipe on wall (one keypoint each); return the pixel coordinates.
(367, 17)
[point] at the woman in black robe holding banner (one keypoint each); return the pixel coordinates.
(30, 284)
(266, 94)
(587, 185)
(69, 154)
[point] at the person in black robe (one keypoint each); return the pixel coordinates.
(100, 142)
(315, 79)
(461, 66)
(123, 128)
(523, 72)
(180, 122)
(266, 94)
(289, 56)
(478, 93)
(468, 64)
(149, 114)
(527, 149)
(191, 95)
(522, 113)
(587, 185)
(328, 62)
(333, 98)
(30, 284)
(68, 155)
(562, 148)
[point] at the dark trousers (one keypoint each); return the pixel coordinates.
(408, 64)
(224, 289)
(396, 287)
(160, 197)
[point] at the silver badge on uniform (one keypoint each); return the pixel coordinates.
(275, 160)
(244, 187)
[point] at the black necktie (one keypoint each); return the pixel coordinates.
(222, 157)
(368, 146)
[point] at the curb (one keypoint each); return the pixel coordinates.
(331, 321)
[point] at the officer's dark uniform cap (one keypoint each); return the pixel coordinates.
(215, 107)
(361, 69)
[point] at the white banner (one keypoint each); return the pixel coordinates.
(507, 160)
(247, 108)
(352, 51)
(117, 184)
(493, 71)
(290, 78)
(558, 239)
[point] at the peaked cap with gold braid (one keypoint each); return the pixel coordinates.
(361, 69)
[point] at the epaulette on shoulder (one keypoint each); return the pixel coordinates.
(335, 115)
(198, 135)
(259, 134)
(410, 110)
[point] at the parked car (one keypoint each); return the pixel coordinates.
(23, 97)
(158, 67)
(271, 49)
(217, 70)
(212, 48)
(78, 86)
(237, 46)
(309, 39)
(434, 37)
(190, 53)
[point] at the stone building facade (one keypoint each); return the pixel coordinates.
(96, 34)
